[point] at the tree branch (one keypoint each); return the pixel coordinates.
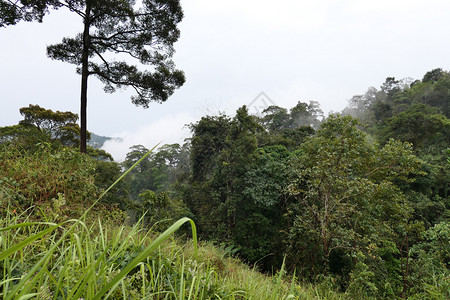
(71, 8)
(380, 168)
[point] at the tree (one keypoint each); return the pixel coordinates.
(58, 125)
(420, 125)
(208, 140)
(146, 34)
(344, 189)
(304, 114)
(390, 87)
(158, 209)
(275, 118)
(136, 153)
(235, 189)
(27, 136)
(159, 171)
(11, 12)
(359, 106)
(44, 125)
(433, 75)
(259, 231)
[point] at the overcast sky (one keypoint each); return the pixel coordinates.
(231, 51)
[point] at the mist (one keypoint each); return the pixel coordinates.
(163, 131)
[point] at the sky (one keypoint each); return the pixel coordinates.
(234, 53)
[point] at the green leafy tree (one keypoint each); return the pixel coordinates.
(12, 12)
(260, 234)
(434, 75)
(58, 125)
(434, 91)
(289, 128)
(106, 173)
(159, 171)
(44, 125)
(235, 189)
(420, 124)
(275, 118)
(136, 153)
(27, 136)
(430, 266)
(306, 115)
(344, 188)
(146, 34)
(207, 142)
(159, 209)
(234, 160)
(359, 106)
(390, 87)
(46, 176)
(173, 161)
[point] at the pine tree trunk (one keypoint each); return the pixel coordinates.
(84, 79)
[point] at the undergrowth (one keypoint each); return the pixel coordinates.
(93, 261)
(56, 243)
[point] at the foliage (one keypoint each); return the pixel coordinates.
(290, 129)
(118, 261)
(83, 260)
(105, 174)
(160, 171)
(416, 112)
(236, 188)
(157, 210)
(363, 209)
(431, 264)
(361, 280)
(12, 12)
(44, 125)
(26, 136)
(420, 125)
(208, 140)
(145, 33)
(58, 125)
(347, 200)
(276, 118)
(38, 178)
(57, 182)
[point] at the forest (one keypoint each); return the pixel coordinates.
(355, 203)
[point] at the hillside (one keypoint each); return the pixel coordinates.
(354, 205)
(97, 141)
(46, 255)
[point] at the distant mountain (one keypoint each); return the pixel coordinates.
(97, 141)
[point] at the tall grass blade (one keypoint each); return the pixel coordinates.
(146, 252)
(29, 296)
(42, 261)
(25, 242)
(279, 281)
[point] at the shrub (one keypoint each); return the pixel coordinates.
(56, 180)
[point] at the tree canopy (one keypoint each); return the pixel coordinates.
(115, 35)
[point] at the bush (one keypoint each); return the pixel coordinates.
(159, 209)
(430, 277)
(50, 180)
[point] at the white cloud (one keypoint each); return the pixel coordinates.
(294, 14)
(294, 50)
(168, 130)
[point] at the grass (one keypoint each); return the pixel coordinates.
(85, 259)
(73, 261)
